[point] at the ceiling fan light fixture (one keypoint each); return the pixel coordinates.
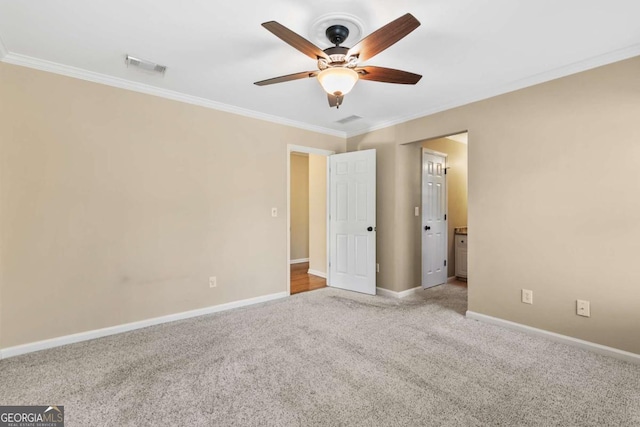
(337, 81)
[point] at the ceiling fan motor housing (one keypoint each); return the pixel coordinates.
(337, 57)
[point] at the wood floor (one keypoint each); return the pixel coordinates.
(458, 282)
(301, 281)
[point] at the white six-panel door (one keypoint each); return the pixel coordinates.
(352, 221)
(434, 223)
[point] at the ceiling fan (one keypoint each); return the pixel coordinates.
(338, 66)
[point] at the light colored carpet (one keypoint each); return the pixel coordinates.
(329, 358)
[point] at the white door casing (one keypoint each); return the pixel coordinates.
(352, 221)
(434, 222)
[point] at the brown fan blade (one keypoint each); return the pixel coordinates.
(295, 40)
(388, 75)
(384, 37)
(287, 78)
(335, 101)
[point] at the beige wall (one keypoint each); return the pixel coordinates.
(299, 206)
(318, 213)
(553, 179)
(406, 228)
(456, 190)
(117, 206)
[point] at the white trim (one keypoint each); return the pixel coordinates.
(3, 50)
(566, 70)
(386, 292)
(299, 261)
(317, 273)
(586, 345)
(394, 294)
(327, 264)
(66, 70)
(99, 333)
(91, 76)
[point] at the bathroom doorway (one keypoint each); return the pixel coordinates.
(444, 213)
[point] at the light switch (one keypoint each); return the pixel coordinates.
(416, 211)
(274, 212)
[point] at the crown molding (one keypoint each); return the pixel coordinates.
(556, 73)
(573, 68)
(3, 50)
(82, 74)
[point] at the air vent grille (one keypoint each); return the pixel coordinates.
(145, 65)
(348, 119)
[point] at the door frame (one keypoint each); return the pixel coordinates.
(292, 148)
(446, 210)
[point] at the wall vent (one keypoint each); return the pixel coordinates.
(348, 119)
(145, 65)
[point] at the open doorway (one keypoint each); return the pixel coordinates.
(341, 245)
(307, 219)
(449, 212)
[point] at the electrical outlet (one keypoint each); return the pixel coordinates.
(274, 212)
(416, 211)
(527, 296)
(213, 282)
(583, 308)
(377, 267)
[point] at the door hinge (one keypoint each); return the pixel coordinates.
(445, 262)
(445, 217)
(445, 171)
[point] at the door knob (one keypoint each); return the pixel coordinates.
(426, 227)
(369, 228)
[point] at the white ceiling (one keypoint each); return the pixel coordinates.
(466, 50)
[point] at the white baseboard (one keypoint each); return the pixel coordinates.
(317, 273)
(393, 294)
(99, 333)
(586, 345)
(299, 261)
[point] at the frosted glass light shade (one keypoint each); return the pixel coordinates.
(338, 81)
